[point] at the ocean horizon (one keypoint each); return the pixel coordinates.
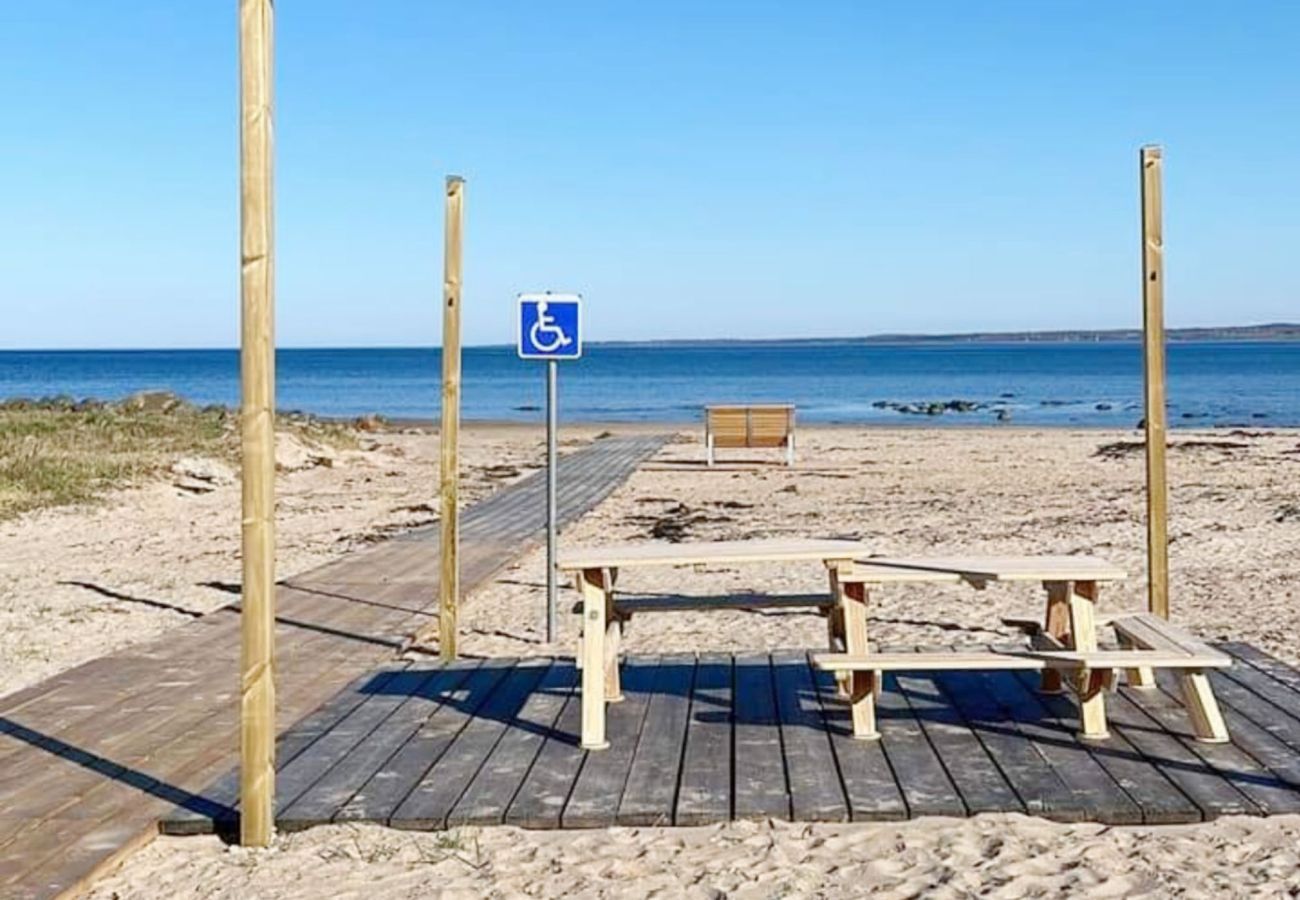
(851, 381)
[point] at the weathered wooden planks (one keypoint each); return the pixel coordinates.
(761, 790)
(649, 795)
(704, 785)
(710, 738)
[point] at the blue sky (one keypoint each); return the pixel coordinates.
(694, 169)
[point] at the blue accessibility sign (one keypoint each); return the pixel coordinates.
(550, 326)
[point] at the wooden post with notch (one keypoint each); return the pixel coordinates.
(1153, 329)
(257, 426)
(449, 579)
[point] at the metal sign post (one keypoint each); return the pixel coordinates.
(550, 329)
(552, 368)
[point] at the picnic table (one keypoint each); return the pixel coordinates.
(1064, 645)
(596, 569)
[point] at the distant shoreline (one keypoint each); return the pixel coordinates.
(1270, 333)
(1273, 332)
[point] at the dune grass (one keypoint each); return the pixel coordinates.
(58, 453)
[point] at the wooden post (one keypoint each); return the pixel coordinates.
(450, 434)
(1153, 325)
(257, 426)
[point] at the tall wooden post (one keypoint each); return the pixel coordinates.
(450, 434)
(1153, 323)
(257, 425)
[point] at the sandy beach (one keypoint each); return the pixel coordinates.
(1235, 522)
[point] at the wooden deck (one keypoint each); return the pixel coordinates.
(718, 737)
(90, 759)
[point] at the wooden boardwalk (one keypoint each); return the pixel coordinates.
(716, 737)
(90, 759)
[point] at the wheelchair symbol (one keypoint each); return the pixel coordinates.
(549, 326)
(555, 338)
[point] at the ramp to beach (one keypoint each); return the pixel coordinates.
(91, 759)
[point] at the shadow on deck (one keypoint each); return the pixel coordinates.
(718, 737)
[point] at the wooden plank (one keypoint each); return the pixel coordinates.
(540, 799)
(1037, 785)
(1155, 411)
(1271, 794)
(1009, 659)
(1236, 688)
(1201, 784)
(217, 804)
(379, 797)
(651, 789)
(1267, 734)
(1271, 666)
(1160, 800)
(921, 776)
(744, 601)
(415, 697)
(1011, 568)
(816, 794)
(972, 771)
(257, 421)
(434, 796)
(1096, 795)
(704, 785)
(334, 746)
(760, 789)
(488, 796)
(1151, 631)
(869, 786)
(623, 556)
(870, 571)
(449, 433)
(598, 790)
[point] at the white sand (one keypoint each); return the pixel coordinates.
(1236, 530)
(1234, 527)
(991, 856)
(76, 583)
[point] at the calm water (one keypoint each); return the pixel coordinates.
(1040, 384)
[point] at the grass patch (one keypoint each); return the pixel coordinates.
(59, 452)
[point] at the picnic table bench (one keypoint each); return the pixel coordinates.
(1064, 645)
(750, 425)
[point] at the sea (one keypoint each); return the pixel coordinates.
(1065, 384)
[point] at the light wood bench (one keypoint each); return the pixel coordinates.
(747, 426)
(1071, 584)
(596, 570)
(1064, 649)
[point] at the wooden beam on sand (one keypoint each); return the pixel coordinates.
(449, 578)
(1153, 329)
(257, 425)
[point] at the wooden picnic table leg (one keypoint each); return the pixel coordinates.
(1090, 684)
(613, 641)
(1140, 677)
(835, 618)
(1056, 623)
(591, 582)
(1202, 708)
(863, 686)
